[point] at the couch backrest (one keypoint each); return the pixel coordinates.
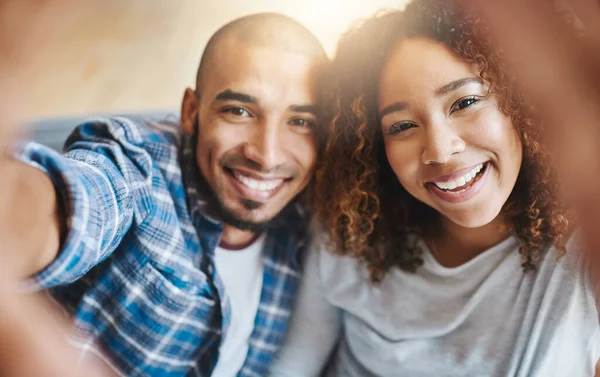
(53, 132)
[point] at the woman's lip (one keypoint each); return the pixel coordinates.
(457, 174)
(458, 197)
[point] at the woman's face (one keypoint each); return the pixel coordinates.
(445, 138)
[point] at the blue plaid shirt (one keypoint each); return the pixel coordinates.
(137, 268)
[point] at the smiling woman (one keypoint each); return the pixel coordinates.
(445, 247)
(424, 128)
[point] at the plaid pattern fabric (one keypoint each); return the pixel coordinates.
(136, 269)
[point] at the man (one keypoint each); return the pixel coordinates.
(178, 255)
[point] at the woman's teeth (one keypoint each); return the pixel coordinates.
(460, 182)
(256, 184)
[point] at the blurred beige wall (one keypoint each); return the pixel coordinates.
(139, 55)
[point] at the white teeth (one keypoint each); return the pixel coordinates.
(468, 177)
(258, 184)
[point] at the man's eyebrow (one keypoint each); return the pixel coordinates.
(312, 109)
(229, 95)
(454, 85)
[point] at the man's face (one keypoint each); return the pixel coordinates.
(255, 115)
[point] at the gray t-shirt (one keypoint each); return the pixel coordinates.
(483, 318)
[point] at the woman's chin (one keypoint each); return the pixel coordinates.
(472, 219)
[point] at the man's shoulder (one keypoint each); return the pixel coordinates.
(136, 130)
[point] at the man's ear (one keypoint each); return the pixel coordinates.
(189, 111)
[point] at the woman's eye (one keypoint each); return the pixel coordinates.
(463, 103)
(400, 127)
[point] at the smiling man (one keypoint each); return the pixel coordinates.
(175, 245)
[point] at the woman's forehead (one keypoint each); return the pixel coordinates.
(421, 66)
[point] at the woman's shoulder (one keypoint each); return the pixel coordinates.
(338, 271)
(572, 258)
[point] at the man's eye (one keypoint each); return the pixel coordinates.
(300, 122)
(237, 111)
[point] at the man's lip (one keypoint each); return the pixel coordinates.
(257, 176)
(457, 174)
(252, 193)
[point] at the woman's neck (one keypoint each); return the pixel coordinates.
(454, 245)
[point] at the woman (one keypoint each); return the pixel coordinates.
(446, 249)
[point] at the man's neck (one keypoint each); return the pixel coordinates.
(234, 238)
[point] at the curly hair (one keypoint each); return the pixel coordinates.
(359, 200)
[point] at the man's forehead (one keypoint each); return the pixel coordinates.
(265, 73)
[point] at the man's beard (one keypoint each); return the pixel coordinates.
(216, 206)
(231, 218)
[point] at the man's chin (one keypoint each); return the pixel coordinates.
(244, 223)
(247, 215)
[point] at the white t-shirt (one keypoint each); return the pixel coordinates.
(483, 318)
(242, 274)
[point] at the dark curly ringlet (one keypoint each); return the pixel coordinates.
(360, 201)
